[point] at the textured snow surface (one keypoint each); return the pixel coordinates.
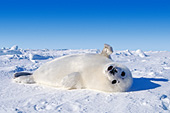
(150, 92)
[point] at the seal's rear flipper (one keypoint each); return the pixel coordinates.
(21, 74)
(24, 77)
(107, 50)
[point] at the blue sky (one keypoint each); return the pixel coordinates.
(85, 24)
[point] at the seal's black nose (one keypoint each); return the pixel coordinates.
(113, 71)
(114, 81)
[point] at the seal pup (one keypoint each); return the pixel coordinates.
(84, 71)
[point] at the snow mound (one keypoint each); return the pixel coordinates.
(15, 47)
(128, 52)
(123, 53)
(140, 53)
(13, 50)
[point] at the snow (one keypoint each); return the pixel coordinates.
(15, 47)
(38, 57)
(140, 53)
(150, 92)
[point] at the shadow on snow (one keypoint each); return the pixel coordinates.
(140, 84)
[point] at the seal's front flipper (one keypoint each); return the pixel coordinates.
(107, 50)
(23, 77)
(72, 81)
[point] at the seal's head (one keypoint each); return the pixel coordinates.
(119, 76)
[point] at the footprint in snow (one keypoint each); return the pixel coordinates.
(165, 102)
(42, 106)
(18, 111)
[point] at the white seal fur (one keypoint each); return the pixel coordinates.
(85, 71)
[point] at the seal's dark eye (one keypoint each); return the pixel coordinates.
(114, 81)
(109, 68)
(123, 74)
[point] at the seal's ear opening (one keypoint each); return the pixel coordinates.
(107, 51)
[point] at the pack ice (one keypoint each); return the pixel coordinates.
(150, 92)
